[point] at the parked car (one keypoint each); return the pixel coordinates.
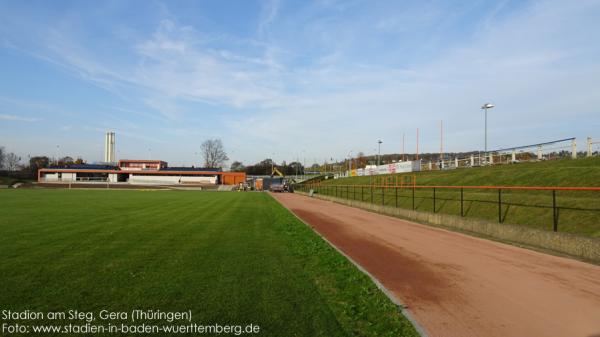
(276, 188)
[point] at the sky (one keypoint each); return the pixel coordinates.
(294, 80)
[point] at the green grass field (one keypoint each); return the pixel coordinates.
(579, 212)
(229, 258)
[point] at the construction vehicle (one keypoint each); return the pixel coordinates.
(275, 171)
(284, 186)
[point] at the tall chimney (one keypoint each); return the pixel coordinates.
(109, 147)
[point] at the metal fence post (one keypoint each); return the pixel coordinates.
(500, 205)
(396, 196)
(554, 211)
(353, 192)
(371, 193)
(462, 201)
(434, 200)
(382, 195)
(413, 197)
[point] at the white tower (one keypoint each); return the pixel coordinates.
(109, 147)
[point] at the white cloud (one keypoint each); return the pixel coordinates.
(268, 14)
(7, 117)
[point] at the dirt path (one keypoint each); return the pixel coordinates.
(457, 285)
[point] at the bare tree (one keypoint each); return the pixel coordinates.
(12, 161)
(214, 153)
(2, 156)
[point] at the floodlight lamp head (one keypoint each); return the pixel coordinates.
(488, 106)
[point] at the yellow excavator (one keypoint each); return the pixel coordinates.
(275, 171)
(285, 184)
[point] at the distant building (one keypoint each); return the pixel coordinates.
(139, 172)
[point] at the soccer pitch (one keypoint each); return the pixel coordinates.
(228, 258)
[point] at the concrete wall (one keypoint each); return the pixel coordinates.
(137, 179)
(66, 177)
(171, 180)
(50, 177)
(570, 244)
(199, 180)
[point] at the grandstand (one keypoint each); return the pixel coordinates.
(139, 172)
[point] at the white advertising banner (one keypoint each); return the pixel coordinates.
(401, 167)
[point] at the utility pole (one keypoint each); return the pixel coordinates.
(378, 151)
(441, 144)
(417, 143)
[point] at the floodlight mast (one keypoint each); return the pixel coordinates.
(485, 107)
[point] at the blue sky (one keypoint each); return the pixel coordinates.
(294, 79)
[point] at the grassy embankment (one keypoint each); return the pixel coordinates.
(579, 212)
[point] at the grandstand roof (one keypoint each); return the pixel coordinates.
(203, 169)
(85, 167)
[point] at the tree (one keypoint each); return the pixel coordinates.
(214, 153)
(36, 163)
(261, 168)
(237, 166)
(361, 161)
(65, 161)
(266, 162)
(266, 166)
(2, 155)
(79, 161)
(12, 161)
(294, 168)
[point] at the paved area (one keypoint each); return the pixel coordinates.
(458, 285)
